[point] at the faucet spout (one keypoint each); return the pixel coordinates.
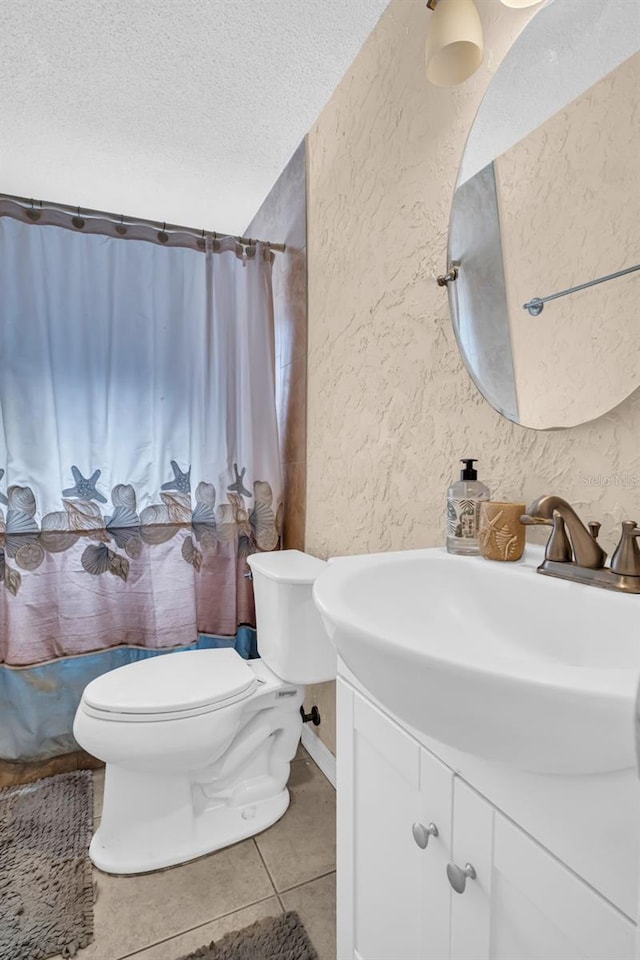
(587, 552)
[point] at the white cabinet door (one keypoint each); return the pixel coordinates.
(524, 904)
(436, 802)
(393, 899)
(345, 879)
(540, 910)
(472, 844)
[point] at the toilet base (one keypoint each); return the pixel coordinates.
(157, 843)
(176, 790)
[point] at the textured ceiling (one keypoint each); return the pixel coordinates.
(177, 110)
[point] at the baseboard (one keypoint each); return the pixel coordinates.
(319, 753)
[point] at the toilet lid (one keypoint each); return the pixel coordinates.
(172, 683)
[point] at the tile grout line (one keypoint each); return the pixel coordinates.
(271, 880)
(321, 876)
(273, 884)
(280, 893)
(198, 926)
(264, 864)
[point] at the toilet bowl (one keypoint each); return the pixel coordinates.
(197, 744)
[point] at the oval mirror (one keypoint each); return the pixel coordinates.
(547, 201)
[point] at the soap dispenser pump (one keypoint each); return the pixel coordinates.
(463, 510)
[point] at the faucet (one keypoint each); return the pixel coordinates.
(578, 555)
(586, 549)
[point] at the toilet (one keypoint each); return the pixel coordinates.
(197, 744)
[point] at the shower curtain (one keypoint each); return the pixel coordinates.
(139, 460)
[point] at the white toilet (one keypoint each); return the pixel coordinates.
(197, 744)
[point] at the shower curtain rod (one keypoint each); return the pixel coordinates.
(119, 225)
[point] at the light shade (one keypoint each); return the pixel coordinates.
(454, 42)
(520, 3)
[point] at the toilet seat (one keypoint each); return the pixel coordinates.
(184, 684)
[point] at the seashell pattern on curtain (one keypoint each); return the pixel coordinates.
(256, 527)
(139, 460)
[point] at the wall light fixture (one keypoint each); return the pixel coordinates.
(454, 40)
(520, 3)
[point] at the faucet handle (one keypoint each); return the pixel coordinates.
(559, 547)
(594, 528)
(558, 544)
(626, 556)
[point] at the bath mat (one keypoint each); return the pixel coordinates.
(46, 889)
(274, 938)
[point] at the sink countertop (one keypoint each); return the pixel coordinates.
(491, 658)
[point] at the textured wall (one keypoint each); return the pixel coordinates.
(568, 196)
(391, 409)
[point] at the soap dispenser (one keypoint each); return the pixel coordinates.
(463, 510)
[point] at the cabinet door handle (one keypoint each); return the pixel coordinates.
(421, 833)
(458, 877)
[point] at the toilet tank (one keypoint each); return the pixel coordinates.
(292, 640)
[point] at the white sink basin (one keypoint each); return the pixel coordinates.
(491, 658)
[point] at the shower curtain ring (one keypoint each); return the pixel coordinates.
(33, 214)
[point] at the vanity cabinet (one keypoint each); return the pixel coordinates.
(524, 903)
(395, 901)
(392, 902)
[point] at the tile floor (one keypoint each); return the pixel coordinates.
(291, 866)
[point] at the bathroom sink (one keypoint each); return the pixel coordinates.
(491, 658)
